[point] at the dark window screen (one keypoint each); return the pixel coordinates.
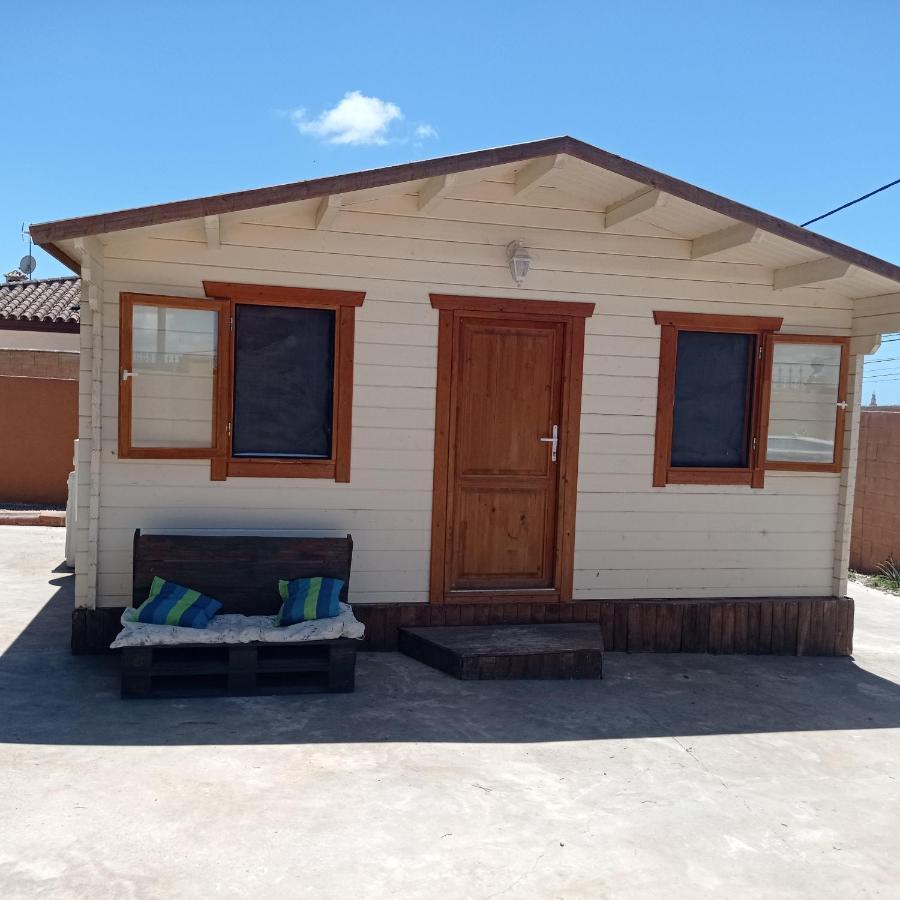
(283, 382)
(712, 387)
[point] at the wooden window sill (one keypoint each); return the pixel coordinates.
(277, 468)
(685, 475)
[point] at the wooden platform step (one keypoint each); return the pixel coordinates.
(507, 651)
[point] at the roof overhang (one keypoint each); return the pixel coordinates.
(736, 225)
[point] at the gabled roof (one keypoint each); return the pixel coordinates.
(48, 234)
(42, 302)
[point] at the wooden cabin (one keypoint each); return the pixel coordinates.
(535, 383)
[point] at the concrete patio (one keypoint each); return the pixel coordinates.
(684, 775)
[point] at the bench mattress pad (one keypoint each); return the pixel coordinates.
(236, 629)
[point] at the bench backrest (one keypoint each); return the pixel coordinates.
(241, 572)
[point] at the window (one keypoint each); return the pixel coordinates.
(806, 397)
(257, 379)
(735, 399)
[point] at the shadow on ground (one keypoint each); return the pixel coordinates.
(48, 696)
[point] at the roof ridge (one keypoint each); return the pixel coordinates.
(30, 281)
(47, 234)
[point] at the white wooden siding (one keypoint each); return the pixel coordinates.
(632, 540)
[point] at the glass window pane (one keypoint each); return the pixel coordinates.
(803, 407)
(283, 382)
(713, 379)
(173, 359)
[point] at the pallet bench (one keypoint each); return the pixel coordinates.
(242, 573)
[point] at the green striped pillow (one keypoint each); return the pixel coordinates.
(305, 599)
(172, 604)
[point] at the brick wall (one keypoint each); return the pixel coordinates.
(39, 363)
(38, 423)
(876, 508)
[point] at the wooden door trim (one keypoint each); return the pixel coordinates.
(529, 309)
(451, 310)
(441, 456)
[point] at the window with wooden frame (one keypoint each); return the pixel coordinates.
(258, 379)
(735, 399)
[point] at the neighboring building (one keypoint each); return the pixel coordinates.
(38, 387)
(657, 421)
(876, 509)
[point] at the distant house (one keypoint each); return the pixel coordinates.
(572, 388)
(38, 387)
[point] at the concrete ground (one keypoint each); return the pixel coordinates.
(675, 776)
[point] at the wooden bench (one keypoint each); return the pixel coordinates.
(242, 573)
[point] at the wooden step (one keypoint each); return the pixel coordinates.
(473, 652)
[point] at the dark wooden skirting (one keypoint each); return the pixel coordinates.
(803, 626)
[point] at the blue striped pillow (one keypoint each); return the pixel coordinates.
(305, 599)
(172, 604)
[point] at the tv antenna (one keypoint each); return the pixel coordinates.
(27, 264)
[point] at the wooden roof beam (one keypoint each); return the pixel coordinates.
(725, 239)
(434, 190)
(327, 211)
(213, 228)
(535, 174)
(815, 272)
(632, 206)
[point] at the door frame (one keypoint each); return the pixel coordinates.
(452, 309)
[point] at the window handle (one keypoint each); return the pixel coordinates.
(841, 404)
(553, 441)
(127, 373)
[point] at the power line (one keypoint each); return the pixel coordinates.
(831, 212)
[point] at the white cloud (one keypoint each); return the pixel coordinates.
(357, 119)
(425, 132)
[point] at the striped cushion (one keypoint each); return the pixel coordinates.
(172, 604)
(304, 599)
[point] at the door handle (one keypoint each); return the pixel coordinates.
(553, 441)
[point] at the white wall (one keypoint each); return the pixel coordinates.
(38, 340)
(633, 540)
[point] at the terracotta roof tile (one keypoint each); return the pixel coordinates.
(41, 300)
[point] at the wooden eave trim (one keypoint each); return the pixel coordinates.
(273, 295)
(46, 233)
(60, 255)
(551, 308)
(45, 326)
(713, 322)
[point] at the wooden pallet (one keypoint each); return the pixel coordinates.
(508, 651)
(196, 670)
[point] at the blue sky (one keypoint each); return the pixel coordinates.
(790, 107)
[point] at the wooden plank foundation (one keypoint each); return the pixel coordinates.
(767, 625)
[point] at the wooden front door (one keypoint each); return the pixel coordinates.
(506, 455)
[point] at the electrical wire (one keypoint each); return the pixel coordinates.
(831, 212)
